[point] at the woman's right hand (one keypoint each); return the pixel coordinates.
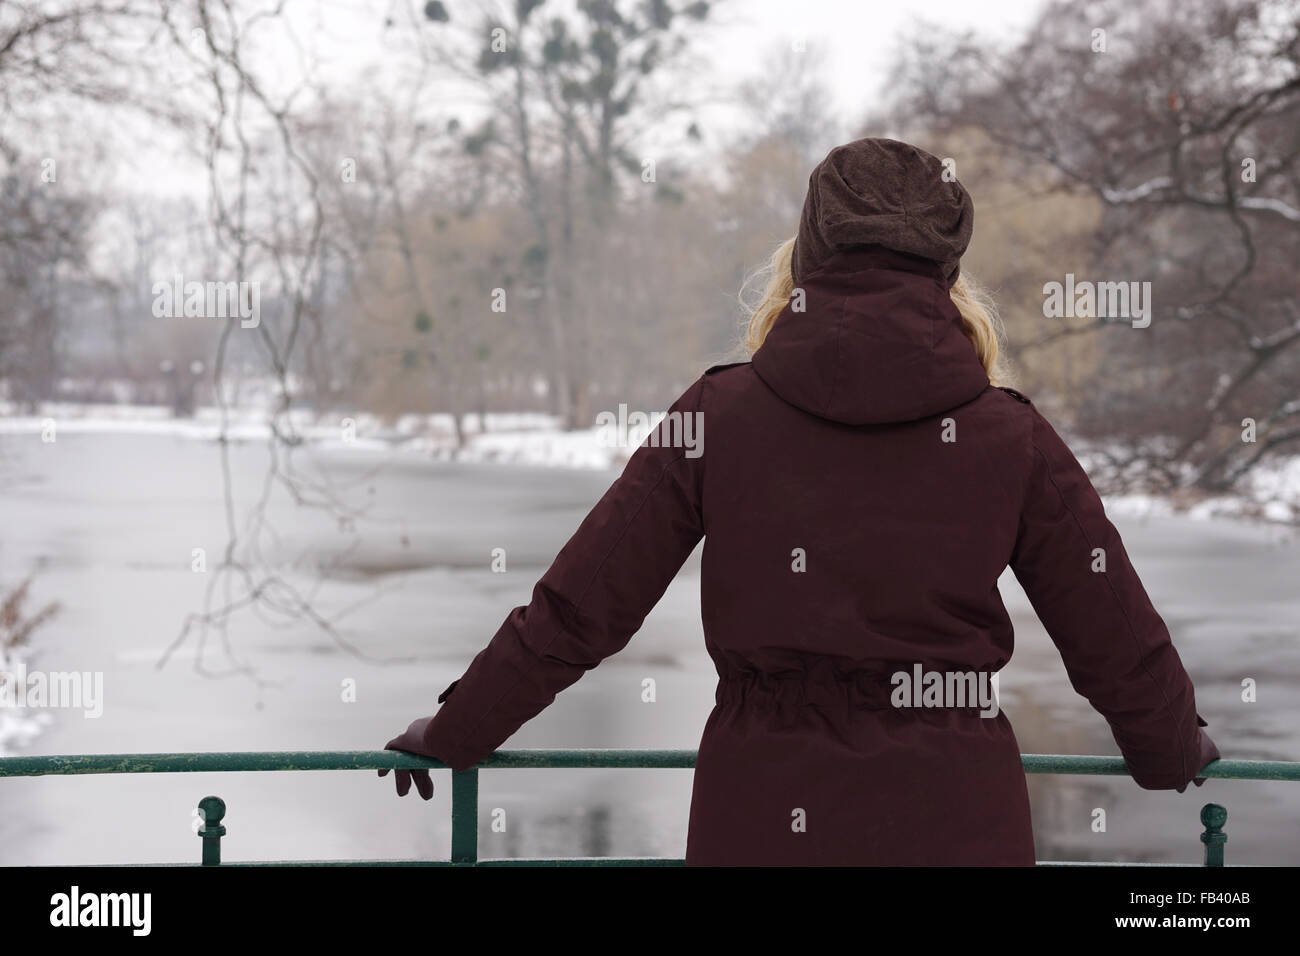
(410, 741)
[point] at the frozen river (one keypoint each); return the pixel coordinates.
(114, 518)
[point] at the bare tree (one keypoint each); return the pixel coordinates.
(1182, 122)
(567, 95)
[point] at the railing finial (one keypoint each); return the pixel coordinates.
(213, 810)
(1213, 817)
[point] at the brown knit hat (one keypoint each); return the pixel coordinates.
(886, 193)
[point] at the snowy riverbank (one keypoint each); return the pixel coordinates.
(1271, 493)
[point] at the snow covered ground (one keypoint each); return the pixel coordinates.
(517, 439)
(1271, 492)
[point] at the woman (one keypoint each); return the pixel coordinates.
(864, 483)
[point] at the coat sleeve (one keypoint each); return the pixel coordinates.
(590, 601)
(1115, 647)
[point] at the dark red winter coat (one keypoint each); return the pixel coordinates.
(862, 486)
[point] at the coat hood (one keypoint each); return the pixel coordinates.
(878, 340)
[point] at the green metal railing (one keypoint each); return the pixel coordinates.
(464, 789)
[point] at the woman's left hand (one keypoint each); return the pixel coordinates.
(411, 741)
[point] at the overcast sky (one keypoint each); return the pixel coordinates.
(853, 39)
(849, 42)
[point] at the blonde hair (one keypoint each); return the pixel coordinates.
(979, 315)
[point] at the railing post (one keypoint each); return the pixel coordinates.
(213, 810)
(1213, 817)
(464, 816)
